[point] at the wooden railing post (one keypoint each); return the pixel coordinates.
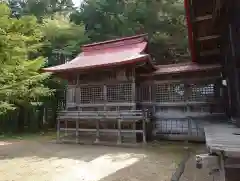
(77, 128)
(97, 131)
(58, 130)
(119, 141)
(144, 127)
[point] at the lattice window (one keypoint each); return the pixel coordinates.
(91, 94)
(172, 126)
(199, 92)
(179, 127)
(119, 93)
(169, 92)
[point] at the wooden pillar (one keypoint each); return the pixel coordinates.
(134, 129)
(150, 93)
(105, 96)
(77, 129)
(144, 130)
(80, 99)
(154, 91)
(58, 130)
(97, 131)
(66, 126)
(222, 168)
(234, 69)
(187, 95)
(133, 90)
(134, 101)
(119, 141)
(189, 127)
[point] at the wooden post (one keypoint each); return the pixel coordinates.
(150, 93)
(134, 129)
(187, 94)
(144, 131)
(58, 130)
(119, 141)
(105, 96)
(77, 128)
(65, 133)
(222, 168)
(189, 128)
(97, 132)
(44, 115)
(153, 97)
(133, 90)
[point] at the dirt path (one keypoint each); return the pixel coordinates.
(44, 161)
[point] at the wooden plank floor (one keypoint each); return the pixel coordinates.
(223, 137)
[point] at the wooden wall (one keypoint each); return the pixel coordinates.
(102, 90)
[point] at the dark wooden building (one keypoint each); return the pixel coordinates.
(114, 89)
(213, 27)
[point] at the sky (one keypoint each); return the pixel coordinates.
(77, 2)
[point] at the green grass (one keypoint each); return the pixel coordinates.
(28, 136)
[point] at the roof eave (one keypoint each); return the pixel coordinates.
(189, 70)
(136, 60)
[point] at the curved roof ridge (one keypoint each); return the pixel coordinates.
(115, 43)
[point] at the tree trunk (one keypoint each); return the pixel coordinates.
(21, 119)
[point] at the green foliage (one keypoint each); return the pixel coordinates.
(20, 80)
(162, 20)
(63, 39)
(31, 30)
(40, 8)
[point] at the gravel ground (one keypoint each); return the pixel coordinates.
(45, 161)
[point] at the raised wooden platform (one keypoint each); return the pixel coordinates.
(223, 138)
(100, 126)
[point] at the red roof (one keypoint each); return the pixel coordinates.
(184, 67)
(114, 52)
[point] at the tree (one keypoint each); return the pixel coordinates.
(40, 8)
(162, 20)
(62, 39)
(21, 83)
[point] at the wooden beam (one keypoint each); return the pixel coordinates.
(102, 130)
(210, 52)
(204, 38)
(202, 18)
